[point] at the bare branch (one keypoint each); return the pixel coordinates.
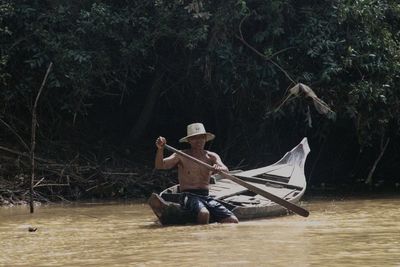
(16, 134)
(268, 58)
(33, 136)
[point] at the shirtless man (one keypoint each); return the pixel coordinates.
(194, 179)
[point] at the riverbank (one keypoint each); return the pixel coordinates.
(74, 182)
(9, 198)
(115, 185)
(120, 176)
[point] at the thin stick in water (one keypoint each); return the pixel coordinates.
(33, 137)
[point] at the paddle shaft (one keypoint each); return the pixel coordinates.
(290, 206)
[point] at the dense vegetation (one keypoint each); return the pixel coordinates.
(127, 71)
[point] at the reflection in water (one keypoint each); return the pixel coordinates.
(337, 233)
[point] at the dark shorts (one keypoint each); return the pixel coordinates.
(194, 200)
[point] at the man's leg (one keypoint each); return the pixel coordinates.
(203, 217)
(194, 204)
(220, 213)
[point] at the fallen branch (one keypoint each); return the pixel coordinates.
(41, 185)
(120, 173)
(38, 182)
(16, 134)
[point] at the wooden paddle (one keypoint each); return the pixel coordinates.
(290, 206)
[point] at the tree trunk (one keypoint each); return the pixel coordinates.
(371, 172)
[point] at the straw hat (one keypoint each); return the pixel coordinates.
(196, 129)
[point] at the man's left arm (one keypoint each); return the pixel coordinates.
(218, 165)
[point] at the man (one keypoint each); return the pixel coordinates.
(194, 179)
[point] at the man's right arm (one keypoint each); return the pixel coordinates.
(162, 163)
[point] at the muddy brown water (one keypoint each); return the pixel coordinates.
(347, 232)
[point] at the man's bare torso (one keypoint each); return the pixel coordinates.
(193, 176)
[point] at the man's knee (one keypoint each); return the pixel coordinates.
(203, 217)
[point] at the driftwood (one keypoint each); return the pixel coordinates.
(78, 177)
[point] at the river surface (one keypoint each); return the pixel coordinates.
(347, 232)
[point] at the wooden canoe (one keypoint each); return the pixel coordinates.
(285, 179)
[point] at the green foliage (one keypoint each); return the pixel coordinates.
(6, 10)
(108, 56)
(370, 59)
